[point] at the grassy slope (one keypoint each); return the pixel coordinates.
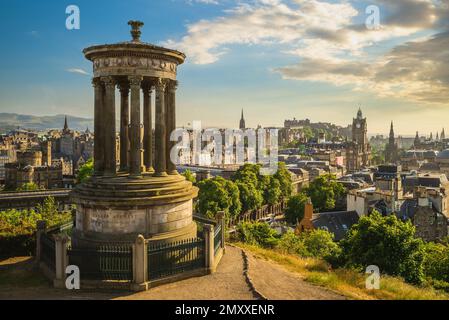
(346, 282)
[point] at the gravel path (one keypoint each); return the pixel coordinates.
(276, 283)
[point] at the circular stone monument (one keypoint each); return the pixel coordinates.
(145, 195)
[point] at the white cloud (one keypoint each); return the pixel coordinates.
(78, 71)
(331, 47)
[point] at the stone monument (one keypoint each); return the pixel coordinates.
(145, 195)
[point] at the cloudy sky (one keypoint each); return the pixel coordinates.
(276, 59)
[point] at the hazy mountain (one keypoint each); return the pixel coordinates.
(9, 121)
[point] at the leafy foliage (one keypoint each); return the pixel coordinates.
(86, 171)
(295, 208)
(436, 263)
(325, 191)
(257, 233)
(218, 194)
(387, 243)
(30, 186)
(189, 176)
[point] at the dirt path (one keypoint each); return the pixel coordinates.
(276, 283)
(228, 283)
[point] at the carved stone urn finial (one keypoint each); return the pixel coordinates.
(135, 29)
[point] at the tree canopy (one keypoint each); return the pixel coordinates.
(85, 171)
(387, 243)
(294, 212)
(325, 191)
(218, 194)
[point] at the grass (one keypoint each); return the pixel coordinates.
(347, 282)
(19, 273)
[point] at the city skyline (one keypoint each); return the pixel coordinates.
(241, 56)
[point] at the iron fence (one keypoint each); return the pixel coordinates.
(218, 238)
(112, 262)
(48, 251)
(165, 260)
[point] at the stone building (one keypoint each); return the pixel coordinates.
(33, 166)
(358, 151)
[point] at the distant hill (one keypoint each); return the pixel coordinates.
(10, 121)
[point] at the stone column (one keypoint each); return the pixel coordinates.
(110, 158)
(171, 124)
(98, 127)
(209, 248)
(135, 139)
(140, 265)
(148, 128)
(161, 164)
(124, 126)
(61, 260)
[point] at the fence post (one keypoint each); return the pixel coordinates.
(209, 248)
(140, 264)
(221, 223)
(41, 227)
(62, 260)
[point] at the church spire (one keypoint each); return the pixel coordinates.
(66, 127)
(242, 122)
(443, 135)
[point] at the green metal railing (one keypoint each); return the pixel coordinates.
(112, 262)
(218, 238)
(48, 251)
(165, 260)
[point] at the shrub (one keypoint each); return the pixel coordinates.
(257, 233)
(292, 244)
(436, 262)
(387, 243)
(320, 244)
(294, 212)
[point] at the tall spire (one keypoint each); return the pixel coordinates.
(391, 129)
(242, 122)
(443, 135)
(66, 127)
(359, 113)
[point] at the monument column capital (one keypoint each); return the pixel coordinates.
(135, 81)
(109, 82)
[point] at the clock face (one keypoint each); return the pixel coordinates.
(358, 125)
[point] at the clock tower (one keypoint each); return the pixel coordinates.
(358, 151)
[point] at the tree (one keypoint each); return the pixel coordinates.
(29, 186)
(285, 180)
(86, 171)
(273, 193)
(218, 194)
(257, 233)
(250, 197)
(295, 208)
(189, 176)
(48, 208)
(436, 262)
(325, 191)
(320, 244)
(387, 243)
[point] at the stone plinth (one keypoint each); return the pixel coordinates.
(118, 209)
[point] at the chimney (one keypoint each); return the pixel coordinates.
(308, 210)
(306, 222)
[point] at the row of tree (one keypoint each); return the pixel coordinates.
(247, 190)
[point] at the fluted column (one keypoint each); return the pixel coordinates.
(135, 140)
(110, 159)
(171, 124)
(160, 132)
(98, 127)
(148, 128)
(124, 126)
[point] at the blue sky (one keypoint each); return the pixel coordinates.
(276, 59)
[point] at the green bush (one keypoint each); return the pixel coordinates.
(436, 262)
(387, 243)
(18, 227)
(320, 244)
(257, 233)
(290, 243)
